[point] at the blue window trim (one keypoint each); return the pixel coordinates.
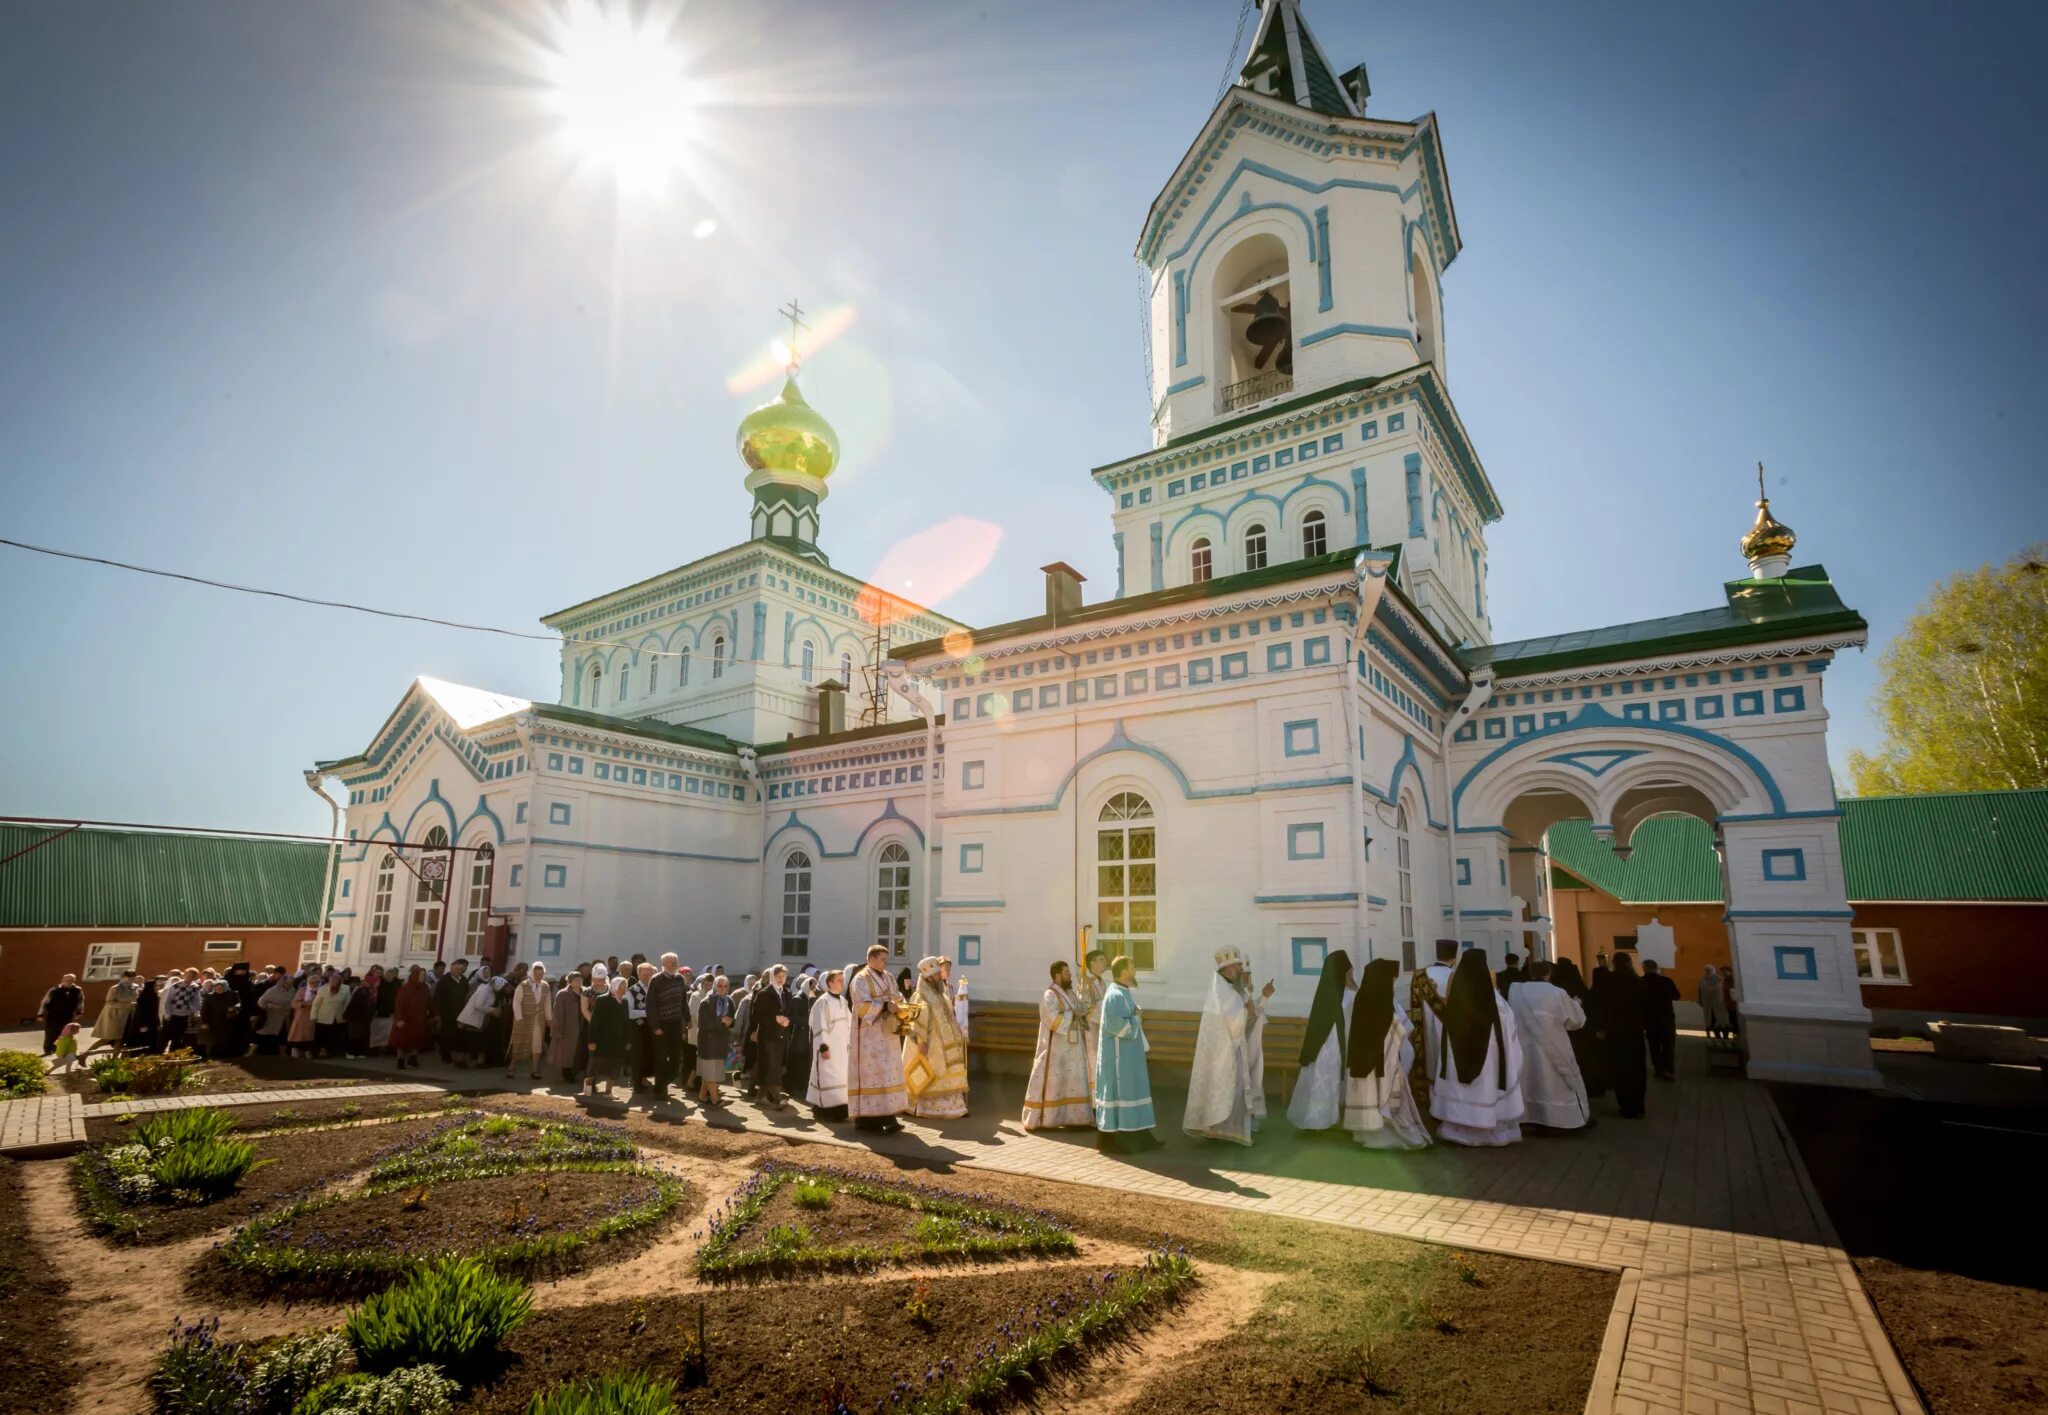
(1464, 871)
(1303, 738)
(549, 946)
(1791, 699)
(558, 813)
(1787, 864)
(1308, 956)
(554, 876)
(1796, 965)
(1305, 840)
(517, 871)
(972, 859)
(970, 950)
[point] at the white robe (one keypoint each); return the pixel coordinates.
(1553, 1091)
(1226, 1092)
(1432, 1025)
(1318, 1101)
(831, 1031)
(1380, 1111)
(1061, 1090)
(1481, 1111)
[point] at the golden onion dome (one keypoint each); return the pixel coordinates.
(788, 435)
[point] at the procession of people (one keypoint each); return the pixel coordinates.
(1532, 1044)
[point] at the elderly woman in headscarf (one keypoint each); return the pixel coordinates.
(1379, 1105)
(607, 1043)
(274, 1005)
(1476, 1094)
(1318, 1100)
(300, 1032)
(934, 1051)
(412, 1014)
(361, 1011)
(565, 1027)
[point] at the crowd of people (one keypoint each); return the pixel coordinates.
(1531, 1044)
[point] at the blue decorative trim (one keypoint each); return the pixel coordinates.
(433, 798)
(1608, 761)
(1779, 816)
(1323, 256)
(971, 858)
(1284, 178)
(536, 909)
(483, 808)
(1593, 716)
(1294, 734)
(1788, 914)
(970, 950)
(969, 904)
(1796, 965)
(1180, 323)
(1386, 331)
(1305, 840)
(1185, 384)
(1309, 954)
(644, 850)
(1347, 897)
(1785, 864)
(1158, 558)
(1361, 535)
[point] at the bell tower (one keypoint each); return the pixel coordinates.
(1300, 244)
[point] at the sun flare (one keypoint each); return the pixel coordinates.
(622, 92)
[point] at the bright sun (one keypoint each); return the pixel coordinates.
(620, 89)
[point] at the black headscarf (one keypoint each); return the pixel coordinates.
(1471, 1014)
(1371, 1015)
(1566, 975)
(1327, 1011)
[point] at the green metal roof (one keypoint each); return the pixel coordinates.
(95, 878)
(637, 727)
(1971, 846)
(1270, 66)
(1801, 604)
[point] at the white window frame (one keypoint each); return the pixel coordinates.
(1201, 561)
(476, 914)
(429, 898)
(1256, 556)
(1868, 954)
(1404, 884)
(892, 899)
(381, 891)
(223, 945)
(103, 964)
(311, 952)
(718, 657)
(1315, 524)
(797, 883)
(1127, 812)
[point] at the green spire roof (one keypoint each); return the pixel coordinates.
(1285, 62)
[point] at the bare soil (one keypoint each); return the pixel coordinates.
(298, 1160)
(231, 1077)
(849, 1220)
(778, 1347)
(41, 1356)
(1969, 1345)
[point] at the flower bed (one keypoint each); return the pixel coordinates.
(780, 1221)
(179, 1157)
(507, 1144)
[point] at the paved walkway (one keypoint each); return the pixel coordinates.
(55, 1124)
(1735, 1294)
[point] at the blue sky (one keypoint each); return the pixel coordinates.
(316, 296)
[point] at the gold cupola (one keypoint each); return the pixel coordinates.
(1768, 544)
(787, 436)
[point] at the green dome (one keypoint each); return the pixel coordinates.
(788, 435)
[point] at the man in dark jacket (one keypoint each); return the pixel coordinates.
(1660, 1022)
(449, 996)
(1509, 975)
(769, 1021)
(61, 1006)
(668, 1001)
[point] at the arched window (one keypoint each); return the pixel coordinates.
(846, 671)
(595, 700)
(892, 899)
(1201, 562)
(683, 671)
(625, 676)
(718, 657)
(476, 910)
(810, 663)
(1404, 870)
(1428, 337)
(430, 893)
(1127, 878)
(796, 904)
(380, 904)
(653, 675)
(1254, 323)
(1255, 547)
(1315, 535)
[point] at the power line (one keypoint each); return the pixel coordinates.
(1235, 58)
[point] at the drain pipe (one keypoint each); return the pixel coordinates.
(1369, 582)
(908, 689)
(313, 780)
(1479, 697)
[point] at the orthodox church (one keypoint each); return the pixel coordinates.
(1288, 729)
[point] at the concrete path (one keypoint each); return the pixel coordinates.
(1735, 1293)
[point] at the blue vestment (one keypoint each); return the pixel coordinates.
(1123, 1082)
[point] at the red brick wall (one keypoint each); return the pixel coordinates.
(32, 960)
(1984, 959)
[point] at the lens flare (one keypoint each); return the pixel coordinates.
(772, 365)
(944, 559)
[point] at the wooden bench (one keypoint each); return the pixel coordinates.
(1011, 1029)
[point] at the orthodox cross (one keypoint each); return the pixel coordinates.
(794, 313)
(1760, 482)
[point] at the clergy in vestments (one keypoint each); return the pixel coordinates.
(874, 1078)
(1226, 1092)
(1553, 1092)
(1062, 1088)
(1123, 1079)
(1318, 1101)
(831, 1040)
(1476, 1094)
(1379, 1107)
(1090, 988)
(1439, 977)
(934, 1051)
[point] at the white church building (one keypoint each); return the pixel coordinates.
(1289, 728)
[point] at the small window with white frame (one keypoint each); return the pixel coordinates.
(104, 962)
(223, 945)
(1879, 958)
(311, 950)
